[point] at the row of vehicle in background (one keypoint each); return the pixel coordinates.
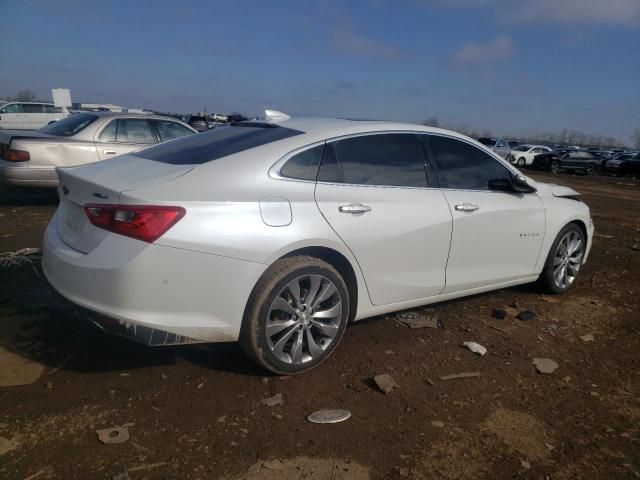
(203, 122)
(584, 161)
(29, 158)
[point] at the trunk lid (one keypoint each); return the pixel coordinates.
(102, 183)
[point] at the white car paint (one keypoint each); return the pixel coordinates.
(523, 155)
(412, 248)
(28, 115)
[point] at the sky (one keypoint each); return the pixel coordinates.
(516, 67)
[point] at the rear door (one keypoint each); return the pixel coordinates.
(497, 235)
(124, 135)
(374, 191)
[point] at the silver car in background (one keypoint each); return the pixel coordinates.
(29, 158)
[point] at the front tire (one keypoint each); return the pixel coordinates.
(564, 260)
(296, 315)
(521, 162)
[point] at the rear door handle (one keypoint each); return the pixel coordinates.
(109, 152)
(466, 207)
(354, 208)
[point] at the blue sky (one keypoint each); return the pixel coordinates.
(513, 66)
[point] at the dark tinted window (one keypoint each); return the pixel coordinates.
(169, 130)
(32, 108)
(304, 165)
(52, 109)
(214, 144)
(489, 142)
(461, 165)
(394, 159)
(70, 125)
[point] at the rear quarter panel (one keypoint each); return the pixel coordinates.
(58, 153)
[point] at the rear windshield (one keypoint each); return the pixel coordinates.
(70, 125)
(214, 144)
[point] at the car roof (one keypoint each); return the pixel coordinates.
(29, 103)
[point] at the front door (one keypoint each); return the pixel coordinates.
(497, 235)
(373, 191)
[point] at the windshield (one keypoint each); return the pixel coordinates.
(70, 125)
(522, 148)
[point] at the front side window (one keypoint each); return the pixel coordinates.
(12, 108)
(169, 130)
(391, 159)
(463, 166)
(303, 165)
(32, 108)
(134, 130)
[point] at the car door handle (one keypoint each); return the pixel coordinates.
(109, 152)
(354, 208)
(466, 207)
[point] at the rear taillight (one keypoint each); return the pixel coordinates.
(142, 222)
(16, 155)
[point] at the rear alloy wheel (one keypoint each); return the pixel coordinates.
(296, 315)
(554, 167)
(564, 260)
(591, 169)
(521, 162)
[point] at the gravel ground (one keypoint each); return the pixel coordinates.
(197, 412)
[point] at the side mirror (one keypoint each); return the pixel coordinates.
(521, 185)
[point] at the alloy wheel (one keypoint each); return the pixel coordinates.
(568, 259)
(304, 319)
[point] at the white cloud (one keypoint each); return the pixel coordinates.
(593, 12)
(491, 52)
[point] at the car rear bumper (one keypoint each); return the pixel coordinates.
(22, 174)
(158, 295)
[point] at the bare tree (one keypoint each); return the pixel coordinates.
(431, 122)
(636, 137)
(25, 96)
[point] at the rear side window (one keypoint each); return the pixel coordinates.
(217, 143)
(170, 130)
(392, 159)
(304, 165)
(463, 166)
(32, 108)
(52, 109)
(134, 130)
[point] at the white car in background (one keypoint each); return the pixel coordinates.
(523, 155)
(30, 158)
(279, 233)
(28, 115)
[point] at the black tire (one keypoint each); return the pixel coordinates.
(253, 336)
(591, 169)
(554, 167)
(521, 162)
(546, 279)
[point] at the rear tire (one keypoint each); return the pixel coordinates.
(554, 167)
(296, 315)
(521, 162)
(564, 260)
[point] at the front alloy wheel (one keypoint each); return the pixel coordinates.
(564, 260)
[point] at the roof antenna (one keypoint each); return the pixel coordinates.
(275, 116)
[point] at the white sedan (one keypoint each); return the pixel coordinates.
(523, 155)
(278, 233)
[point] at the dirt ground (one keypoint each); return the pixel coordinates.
(197, 411)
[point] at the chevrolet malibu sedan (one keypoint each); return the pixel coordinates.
(279, 233)
(30, 158)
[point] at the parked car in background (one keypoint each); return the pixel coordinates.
(198, 122)
(498, 145)
(279, 234)
(523, 155)
(624, 164)
(569, 161)
(28, 115)
(30, 158)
